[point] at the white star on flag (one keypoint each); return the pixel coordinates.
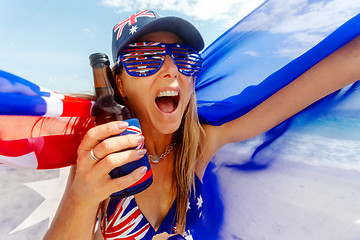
(51, 190)
(133, 29)
(199, 202)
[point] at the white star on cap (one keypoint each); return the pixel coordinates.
(199, 202)
(133, 29)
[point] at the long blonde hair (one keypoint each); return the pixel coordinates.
(188, 137)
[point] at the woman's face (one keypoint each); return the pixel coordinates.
(159, 100)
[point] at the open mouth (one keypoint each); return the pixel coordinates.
(167, 101)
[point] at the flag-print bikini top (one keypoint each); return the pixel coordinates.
(124, 220)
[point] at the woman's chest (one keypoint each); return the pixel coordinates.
(155, 202)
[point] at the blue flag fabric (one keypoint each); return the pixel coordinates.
(225, 68)
(309, 158)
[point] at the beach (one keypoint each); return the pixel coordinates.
(307, 191)
(289, 200)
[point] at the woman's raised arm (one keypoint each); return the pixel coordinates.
(336, 71)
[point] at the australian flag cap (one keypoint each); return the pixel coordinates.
(146, 21)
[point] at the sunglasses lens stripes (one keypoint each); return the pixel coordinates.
(142, 60)
(146, 58)
(187, 60)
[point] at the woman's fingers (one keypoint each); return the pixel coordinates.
(118, 143)
(90, 186)
(101, 132)
(100, 189)
(111, 161)
(121, 183)
(101, 140)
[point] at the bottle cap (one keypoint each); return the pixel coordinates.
(98, 60)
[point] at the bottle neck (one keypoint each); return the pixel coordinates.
(106, 98)
(101, 82)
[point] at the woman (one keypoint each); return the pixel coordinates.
(163, 100)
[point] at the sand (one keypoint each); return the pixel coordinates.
(291, 201)
(287, 201)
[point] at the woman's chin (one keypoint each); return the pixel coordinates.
(167, 127)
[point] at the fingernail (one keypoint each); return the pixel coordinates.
(122, 125)
(142, 151)
(139, 138)
(143, 170)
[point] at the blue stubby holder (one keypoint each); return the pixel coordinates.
(146, 180)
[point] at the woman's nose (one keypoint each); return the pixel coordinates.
(169, 68)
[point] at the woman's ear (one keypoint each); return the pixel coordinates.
(119, 84)
(121, 88)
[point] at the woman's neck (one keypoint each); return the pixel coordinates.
(156, 143)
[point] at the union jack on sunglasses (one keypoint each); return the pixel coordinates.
(146, 58)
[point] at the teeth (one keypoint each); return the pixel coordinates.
(168, 94)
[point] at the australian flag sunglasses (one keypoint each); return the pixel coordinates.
(146, 58)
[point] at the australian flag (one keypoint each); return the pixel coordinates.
(38, 127)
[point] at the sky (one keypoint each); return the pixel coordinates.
(49, 42)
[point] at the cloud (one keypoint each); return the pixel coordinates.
(225, 12)
(312, 23)
(317, 17)
(304, 22)
(252, 53)
(304, 15)
(88, 32)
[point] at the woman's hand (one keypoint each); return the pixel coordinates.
(89, 182)
(92, 181)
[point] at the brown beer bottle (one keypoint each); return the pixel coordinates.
(109, 106)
